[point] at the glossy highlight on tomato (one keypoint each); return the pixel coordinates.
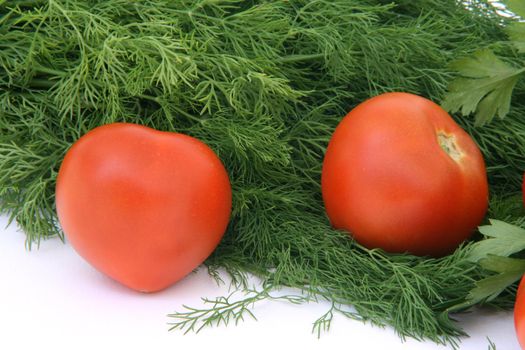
(401, 175)
(145, 207)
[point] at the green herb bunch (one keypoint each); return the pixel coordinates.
(264, 83)
(484, 85)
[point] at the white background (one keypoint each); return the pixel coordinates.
(51, 298)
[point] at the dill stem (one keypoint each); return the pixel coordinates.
(176, 108)
(46, 70)
(41, 83)
(194, 13)
(150, 98)
(299, 58)
(22, 3)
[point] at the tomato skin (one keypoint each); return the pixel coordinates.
(388, 182)
(519, 313)
(143, 206)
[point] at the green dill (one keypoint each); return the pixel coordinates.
(492, 345)
(264, 83)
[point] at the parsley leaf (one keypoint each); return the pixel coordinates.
(516, 6)
(504, 239)
(509, 271)
(492, 253)
(516, 32)
(485, 86)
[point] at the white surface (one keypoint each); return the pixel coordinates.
(51, 298)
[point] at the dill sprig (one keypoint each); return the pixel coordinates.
(264, 83)
(409, 293)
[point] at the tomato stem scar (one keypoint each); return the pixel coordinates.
(448, 143)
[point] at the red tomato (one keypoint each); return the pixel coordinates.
(145, 207)
(401, 175)
(519, 313)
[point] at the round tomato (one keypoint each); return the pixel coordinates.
(145, 207)
(519, 313)
(401, 175)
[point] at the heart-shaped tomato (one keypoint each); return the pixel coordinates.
(143, 206)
